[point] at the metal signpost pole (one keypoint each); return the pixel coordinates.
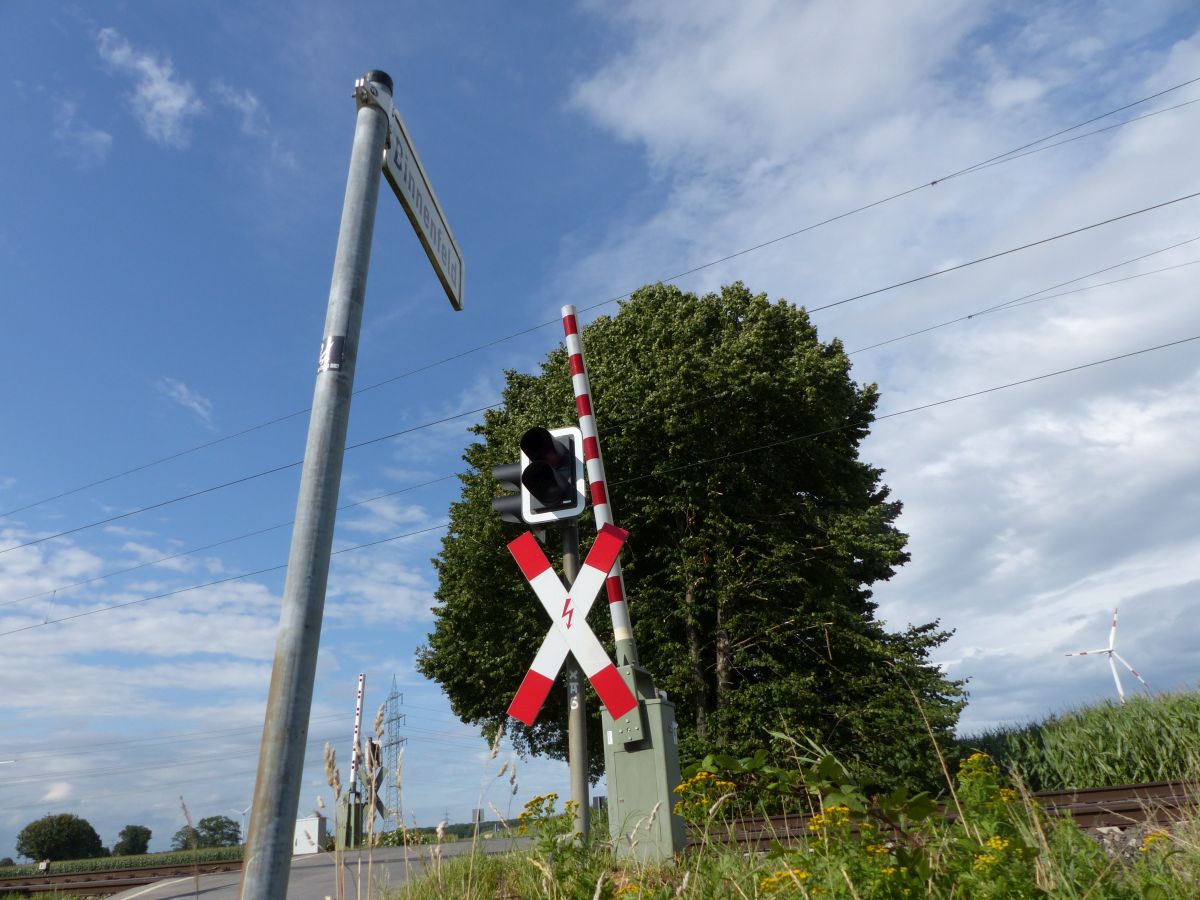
(268, 852)
(577, 744)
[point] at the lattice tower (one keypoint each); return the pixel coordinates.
(393, 740)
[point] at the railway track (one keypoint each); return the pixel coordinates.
(1093, 809)
(103, 884)
(1156, 803)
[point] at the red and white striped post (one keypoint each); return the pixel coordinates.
(355, 751)
(615, 584)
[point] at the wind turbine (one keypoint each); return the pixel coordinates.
(243, 814)
(1112, 654)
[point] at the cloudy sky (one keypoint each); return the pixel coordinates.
(174, 177)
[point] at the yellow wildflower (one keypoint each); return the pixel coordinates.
(984, 861)
(779, 879)
(1153, 838)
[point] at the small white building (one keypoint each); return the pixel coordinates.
(310, 835)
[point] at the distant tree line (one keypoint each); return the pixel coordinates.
(67, 836)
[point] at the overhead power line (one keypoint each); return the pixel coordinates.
(1026, 300)
(375, 440)
(1023, 300)
(221, 543)
(242, 480)
(991, 256)
(82, 774)
(1008, 156)
(213, 583)
(173, 737)
(657, 473)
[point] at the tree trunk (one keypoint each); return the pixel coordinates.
(724, 652)
(697, 663)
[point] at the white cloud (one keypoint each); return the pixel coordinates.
(144, 554)
(188, 398)
(1031, 510)
(1010, 92)
(163, 104)
(85, 145)
(246, 103)
(58, 790)
(377, 588)
(709, 82)
(256, 122)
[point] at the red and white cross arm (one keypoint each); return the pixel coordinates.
(570, 631)
(615, 584)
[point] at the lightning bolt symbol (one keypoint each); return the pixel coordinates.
(567, 612)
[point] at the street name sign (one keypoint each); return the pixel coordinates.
(404, 172)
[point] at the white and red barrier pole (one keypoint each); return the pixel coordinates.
(615, 583)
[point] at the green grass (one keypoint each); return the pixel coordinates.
(1149, 738)
(1000, 845)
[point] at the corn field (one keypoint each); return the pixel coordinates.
(1149, 738)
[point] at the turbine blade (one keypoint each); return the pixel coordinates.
(1112, 635)
(1132, 670)
(1113, 665)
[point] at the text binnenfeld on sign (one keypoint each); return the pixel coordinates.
(407, 177)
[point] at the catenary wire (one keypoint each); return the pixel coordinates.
(237, 481)
(1079, 137)
(181, 736)
(991, 256)
(214, 583)
(657, 473)
(425, 734)
(1015, 153)
(1025, 299)
(184, 736)
(82, 774)
(220, 543)
(851, 299)
(1083, 124)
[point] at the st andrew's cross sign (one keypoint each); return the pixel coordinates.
(568, 609)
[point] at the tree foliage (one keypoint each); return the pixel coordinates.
(133, 840)
(211, 831)
(61, 836)
(731, 440)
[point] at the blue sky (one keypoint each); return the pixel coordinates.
(174, 176)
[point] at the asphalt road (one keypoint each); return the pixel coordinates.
(312, 876)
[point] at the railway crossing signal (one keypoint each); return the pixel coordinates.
(549, 478)
(570, 632)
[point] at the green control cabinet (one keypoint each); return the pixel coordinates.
(642, 777)
(349, 834)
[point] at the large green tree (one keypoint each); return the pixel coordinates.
(132, 840)
(211, 831)
(731, 440)
(61, 836)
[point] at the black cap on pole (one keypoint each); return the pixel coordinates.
(380, 78)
